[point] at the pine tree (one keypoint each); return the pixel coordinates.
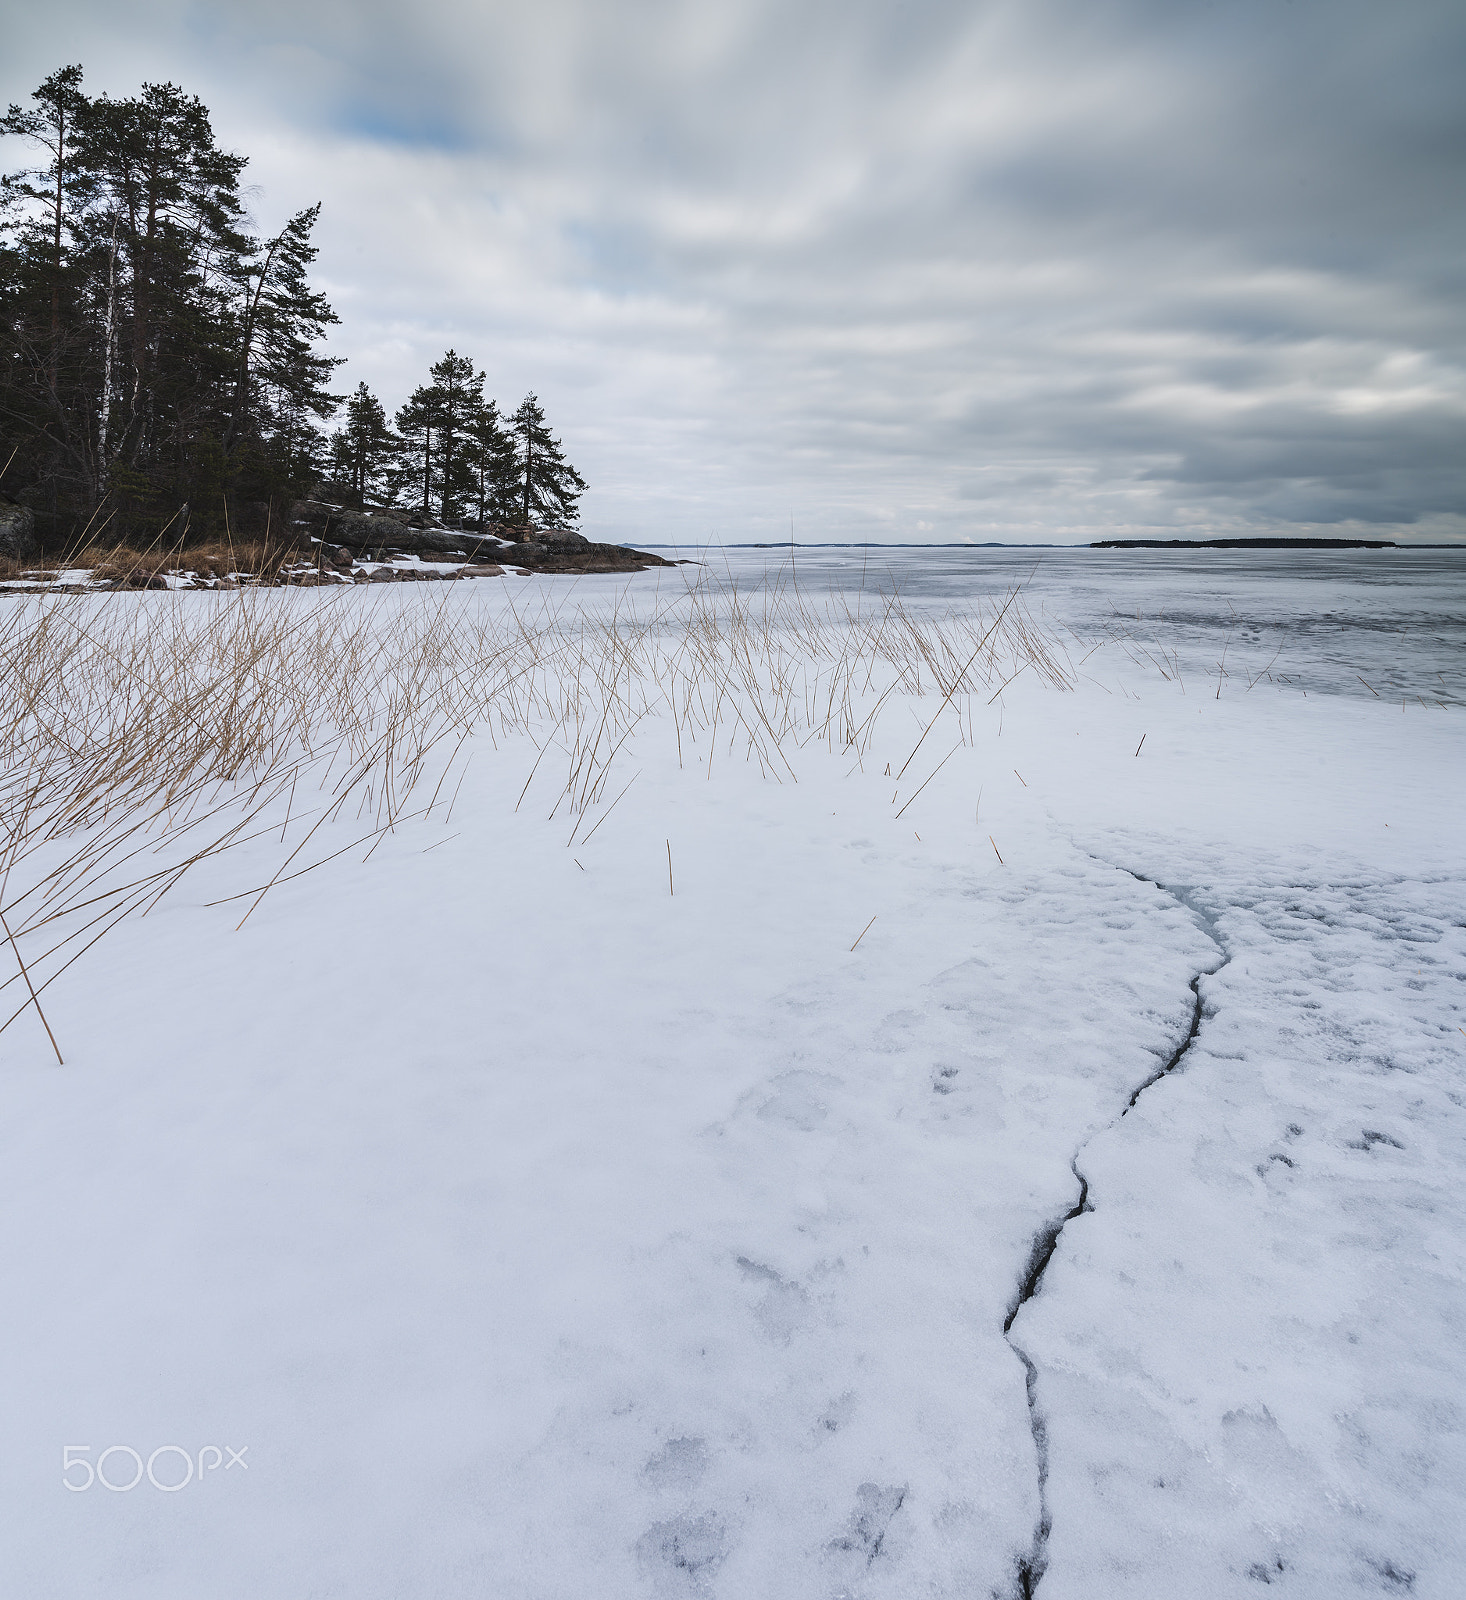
(41, 279)
(58, 189)
(460, 399)
(549, 487)
(417, 428)
(491, 459)
(150, 347)
(172, 197)
(282, 319)
(438, 428)
(362, 452)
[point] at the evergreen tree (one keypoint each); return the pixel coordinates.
(44, 368)
(491, 459)
(364, 450)
(549, 487)
(438, 427)
(282, 319)
(171, 198)
(417, 428)
(58, 190)
(154, 351)
(150, 347)
(460, 398)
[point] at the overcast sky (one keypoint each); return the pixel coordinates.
(991, 271)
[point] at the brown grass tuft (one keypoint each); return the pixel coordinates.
(138, 569)
(142, 736)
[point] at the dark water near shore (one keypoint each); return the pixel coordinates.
(1389, 622)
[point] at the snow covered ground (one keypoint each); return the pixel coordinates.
(662, 1208)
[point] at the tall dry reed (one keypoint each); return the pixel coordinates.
(144, 734)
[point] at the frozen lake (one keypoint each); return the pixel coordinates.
(1396, 617)
(790, 1118)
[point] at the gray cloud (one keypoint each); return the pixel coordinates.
(902, 271)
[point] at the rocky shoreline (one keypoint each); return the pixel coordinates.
(378, 534)
(328, 546)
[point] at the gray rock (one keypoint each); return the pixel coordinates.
(17, 531)
(401, 530)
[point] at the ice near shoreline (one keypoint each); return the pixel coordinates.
(553, 1220)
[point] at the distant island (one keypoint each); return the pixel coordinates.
(1244, 544)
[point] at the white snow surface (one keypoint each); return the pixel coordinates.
(541, 1232)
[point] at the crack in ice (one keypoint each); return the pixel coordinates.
(1032, 1567)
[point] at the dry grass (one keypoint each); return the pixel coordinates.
(145, 569)
(143, 737)
(261, 559)
(122, 565)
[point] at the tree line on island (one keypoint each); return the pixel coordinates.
(454, 456)
(160, 358)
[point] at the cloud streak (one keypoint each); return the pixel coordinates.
(1037, 271)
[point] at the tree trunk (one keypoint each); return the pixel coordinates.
(251, 314)
(56, 259)
(107, 366)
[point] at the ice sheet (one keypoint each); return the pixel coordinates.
(542, 1231)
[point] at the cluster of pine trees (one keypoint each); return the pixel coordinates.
(454, 456)
(160, 360)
